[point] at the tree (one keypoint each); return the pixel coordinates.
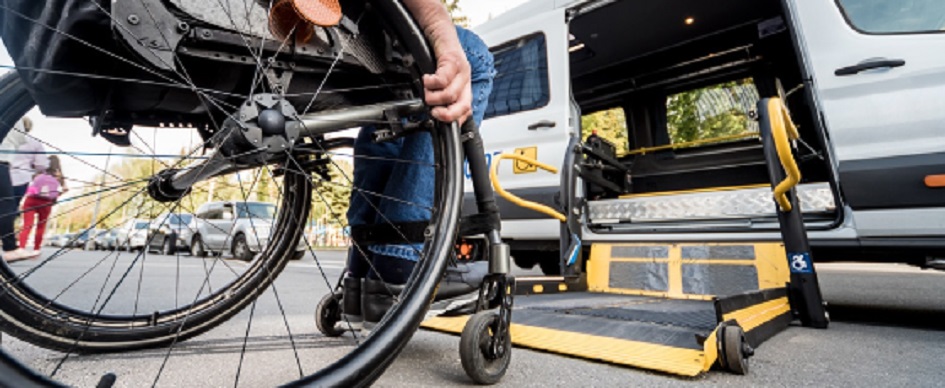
(453, 7)
(710, 112)
(609, 124)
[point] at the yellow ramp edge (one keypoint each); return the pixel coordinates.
(753, 316)
(684, 362)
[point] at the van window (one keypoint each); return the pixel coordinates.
(713, 114)
(610, 124)
(521, 80)
(895, 17)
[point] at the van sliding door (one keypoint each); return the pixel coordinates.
(878, 69)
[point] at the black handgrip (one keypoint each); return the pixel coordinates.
(542, 124)
(877, 64)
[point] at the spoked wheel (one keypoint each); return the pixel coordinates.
(258, 109)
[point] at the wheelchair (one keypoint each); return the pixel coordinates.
(266, 112)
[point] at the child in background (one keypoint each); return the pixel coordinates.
(40, 198)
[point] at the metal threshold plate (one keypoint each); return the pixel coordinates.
(724, 204)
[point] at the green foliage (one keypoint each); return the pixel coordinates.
(609, 124)
(330, 203)
(710, 112)
(455, 11)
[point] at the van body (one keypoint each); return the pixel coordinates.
(669, 91)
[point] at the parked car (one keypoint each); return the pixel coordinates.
(60, 240)
(171, 232)
(103, 240)
(241, 228)
(82, 238)
(133, 234)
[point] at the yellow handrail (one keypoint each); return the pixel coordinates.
(646, 150)
(783, 131)
(494, 176)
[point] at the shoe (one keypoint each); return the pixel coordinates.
(377, 297)
(461, 279)
(352, 318)
(19, 254)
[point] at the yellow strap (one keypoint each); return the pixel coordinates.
(494, 176)
(646, 150)
(783, 131)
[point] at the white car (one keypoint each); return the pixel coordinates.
(133, 234)
(240, 228)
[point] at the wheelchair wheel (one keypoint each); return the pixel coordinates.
(482, 363)
(258, 110)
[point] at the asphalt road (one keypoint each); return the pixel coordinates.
(886, 331)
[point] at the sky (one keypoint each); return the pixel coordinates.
(73, 135)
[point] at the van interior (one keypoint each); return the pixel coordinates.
(673, 86)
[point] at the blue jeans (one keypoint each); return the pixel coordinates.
(378, 200)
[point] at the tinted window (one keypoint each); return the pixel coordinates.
(712, 114)
(179, 218)
(255, 210)
(895, 16)
(521, 81)
(141, 225)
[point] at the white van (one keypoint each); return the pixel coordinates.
(673, 85)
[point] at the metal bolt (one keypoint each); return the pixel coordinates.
(182, 27)
(133, 19)
(207, 34)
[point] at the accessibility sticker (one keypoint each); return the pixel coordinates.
(800, 262)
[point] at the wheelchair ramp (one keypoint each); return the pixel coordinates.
(643, 309)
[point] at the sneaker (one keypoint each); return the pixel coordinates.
(19, 254)
(351, 317)
(377, 297)
(461, 279)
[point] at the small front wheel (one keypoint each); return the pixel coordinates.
(328, 314)
(483, 362)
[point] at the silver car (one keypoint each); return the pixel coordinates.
(240, 228)
(171, 232)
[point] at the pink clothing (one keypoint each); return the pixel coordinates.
(44, 186)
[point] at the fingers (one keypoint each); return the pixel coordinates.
(448, 91)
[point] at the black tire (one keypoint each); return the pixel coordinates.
(197, 248)
(328, 314)
(168, 247)
(550, 266)
(298, 255)
(524, 260)
(474, 351)
(733, 350)
(240, 248)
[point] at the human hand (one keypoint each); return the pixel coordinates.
(449, 90)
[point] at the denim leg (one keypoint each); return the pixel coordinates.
(410, 195)
(370, 175)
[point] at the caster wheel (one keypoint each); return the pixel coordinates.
(735, 350)
(328, 314)
(479, 361)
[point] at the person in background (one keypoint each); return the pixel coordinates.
(41, 195)
(9, 203)
(28, 161)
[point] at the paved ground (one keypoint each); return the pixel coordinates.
(887, 331)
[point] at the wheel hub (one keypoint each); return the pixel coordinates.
(265, 125)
